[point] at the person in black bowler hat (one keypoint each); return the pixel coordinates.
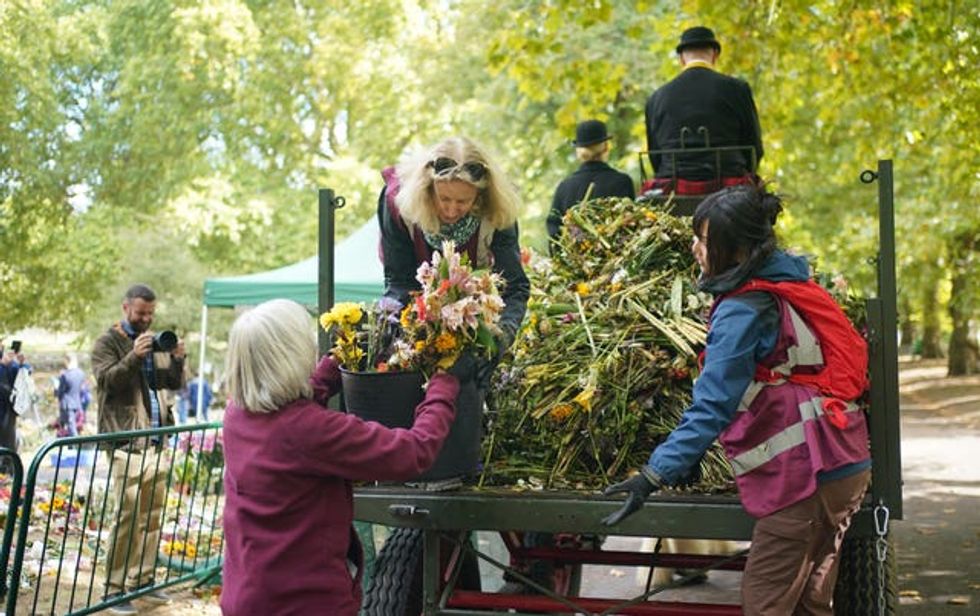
(702, 108)
(592, 149)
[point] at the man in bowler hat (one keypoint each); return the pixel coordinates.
(592, 149)
(702, 108)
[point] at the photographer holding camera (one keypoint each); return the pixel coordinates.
(131, 366)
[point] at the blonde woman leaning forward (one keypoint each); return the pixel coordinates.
(289, 461)
(453, 191)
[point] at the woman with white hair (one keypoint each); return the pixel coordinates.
(453, 191)
(289, 462)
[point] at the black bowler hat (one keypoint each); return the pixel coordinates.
(698, 36)
(590, 132)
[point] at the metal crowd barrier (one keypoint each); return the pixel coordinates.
(69, 517)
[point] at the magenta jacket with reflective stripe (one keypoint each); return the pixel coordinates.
(781, 437)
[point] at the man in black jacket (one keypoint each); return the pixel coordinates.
(702, 108)
(592, 148)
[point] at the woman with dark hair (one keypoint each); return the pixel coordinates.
(797, 441)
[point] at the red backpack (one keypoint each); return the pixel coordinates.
(845, 352)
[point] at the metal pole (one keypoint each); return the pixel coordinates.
(199, 403)
(888, 292)
(329, 203)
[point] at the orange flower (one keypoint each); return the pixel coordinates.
(561, 411)
(445, 342)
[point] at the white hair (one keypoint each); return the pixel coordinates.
(497, 200)
(271, 355)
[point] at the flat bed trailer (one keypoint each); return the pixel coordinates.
(435, 527)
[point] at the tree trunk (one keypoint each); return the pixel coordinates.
(906, 326)
(963, 351)
(931, 333)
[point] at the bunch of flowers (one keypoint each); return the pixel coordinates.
(208, 447)
(343, 321)
(457, 309)
(363, 336)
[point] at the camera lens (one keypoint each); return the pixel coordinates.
(165, 341)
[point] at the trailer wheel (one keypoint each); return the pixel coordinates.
(856, 593)
(396, 587)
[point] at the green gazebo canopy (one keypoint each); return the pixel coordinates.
(358, 277)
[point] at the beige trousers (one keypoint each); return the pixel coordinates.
(139, 486)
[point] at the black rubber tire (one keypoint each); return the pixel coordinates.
(396, 586)
(856, 593)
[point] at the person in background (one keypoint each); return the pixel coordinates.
(797, 443)
(131, 375)
(69, 394)
(701, 108)
(453, 191)
(180, 403)
(199, 394)
(9, 367)
(290, 547)
(594, 177)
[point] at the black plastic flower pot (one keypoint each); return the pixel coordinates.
(390, 398)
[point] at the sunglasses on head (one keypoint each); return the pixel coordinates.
(444, 166)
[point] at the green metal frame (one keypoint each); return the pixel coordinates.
(102, 443)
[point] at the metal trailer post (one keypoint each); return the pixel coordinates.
(886, 488)
(328, 204)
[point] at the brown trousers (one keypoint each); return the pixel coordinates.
(792, 565)
(140, 483)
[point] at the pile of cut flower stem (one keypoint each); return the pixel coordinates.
(603, 368)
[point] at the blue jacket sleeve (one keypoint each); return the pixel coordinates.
(742, 333)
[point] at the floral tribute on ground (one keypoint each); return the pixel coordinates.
(457, 309)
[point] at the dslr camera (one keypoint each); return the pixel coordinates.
(164, 341)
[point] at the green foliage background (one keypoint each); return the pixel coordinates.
(172, 140)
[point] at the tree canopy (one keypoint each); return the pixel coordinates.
(200, 130)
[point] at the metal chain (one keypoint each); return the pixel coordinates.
(881, 548)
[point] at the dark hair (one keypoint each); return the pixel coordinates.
(140, 291)
(740, 235)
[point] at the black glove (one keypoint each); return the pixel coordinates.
(486, 365)
(465, 367)
(638, 488)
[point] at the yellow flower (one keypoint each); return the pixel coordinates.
(446, 362)
(652, 216)
(344, 313)
(419, 346)
(350, 312)
(445, 342)
(406, 316)
(584, 399)
(582, 288)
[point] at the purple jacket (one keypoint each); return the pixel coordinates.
(289, 503)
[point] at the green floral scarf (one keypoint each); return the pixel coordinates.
(460, 232)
